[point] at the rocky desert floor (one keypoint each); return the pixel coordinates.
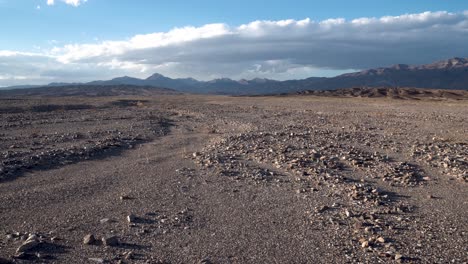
(215, 179)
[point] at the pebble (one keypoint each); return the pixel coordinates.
(323, 209)
(104, 220)
(129, 255)
(131, 218)
(21, 255)
(110, 241)
(89, 239)
(348, 213)
(28, 245)
(97, 260)
(205, 261)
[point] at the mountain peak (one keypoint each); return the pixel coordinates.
(456, 62)
(400, 66)
(222, 80)
(124, 78)
(156, 76)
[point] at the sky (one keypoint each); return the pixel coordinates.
(45, 41)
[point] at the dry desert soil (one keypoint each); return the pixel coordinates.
(216, 179)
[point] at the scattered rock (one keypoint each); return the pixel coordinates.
(110, 241)
(104, 220)
(89, 239)
(29, 244)
(205, 261)
(131, 218)
(22, 255)
(97, 260)
(129, 255)
(322, 209)
(365, 244)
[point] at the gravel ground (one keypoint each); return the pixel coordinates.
(205, 179)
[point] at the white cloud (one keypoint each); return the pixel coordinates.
(282, 49)
(68, 2)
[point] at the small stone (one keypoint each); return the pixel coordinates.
(125, 197)
(131, 218)
(129, 255)
(104, 220)
(32, 237)
(365, 244)
(28, 245)
(398, 257)
(323, 209)
(381, 240)
(89, 239)
(348, 213)
(21, 255)
(110, 241)
(97, 260)
(205, 261)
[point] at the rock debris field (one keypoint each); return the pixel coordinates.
(214, 179)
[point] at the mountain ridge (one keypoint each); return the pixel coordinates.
(445, 74)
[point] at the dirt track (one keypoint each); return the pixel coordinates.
(297, 179)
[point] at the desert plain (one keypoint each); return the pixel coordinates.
(178, 178)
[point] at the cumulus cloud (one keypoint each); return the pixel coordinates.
(284, 49)
(68, 2)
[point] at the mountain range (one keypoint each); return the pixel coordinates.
(447, 74)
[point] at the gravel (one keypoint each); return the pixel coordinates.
(198, 179)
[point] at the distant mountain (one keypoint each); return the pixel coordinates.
(447, 74)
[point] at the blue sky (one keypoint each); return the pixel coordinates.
(28, 27)
(43, 33)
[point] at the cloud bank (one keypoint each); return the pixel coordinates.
(284, 49)
(68, 2)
